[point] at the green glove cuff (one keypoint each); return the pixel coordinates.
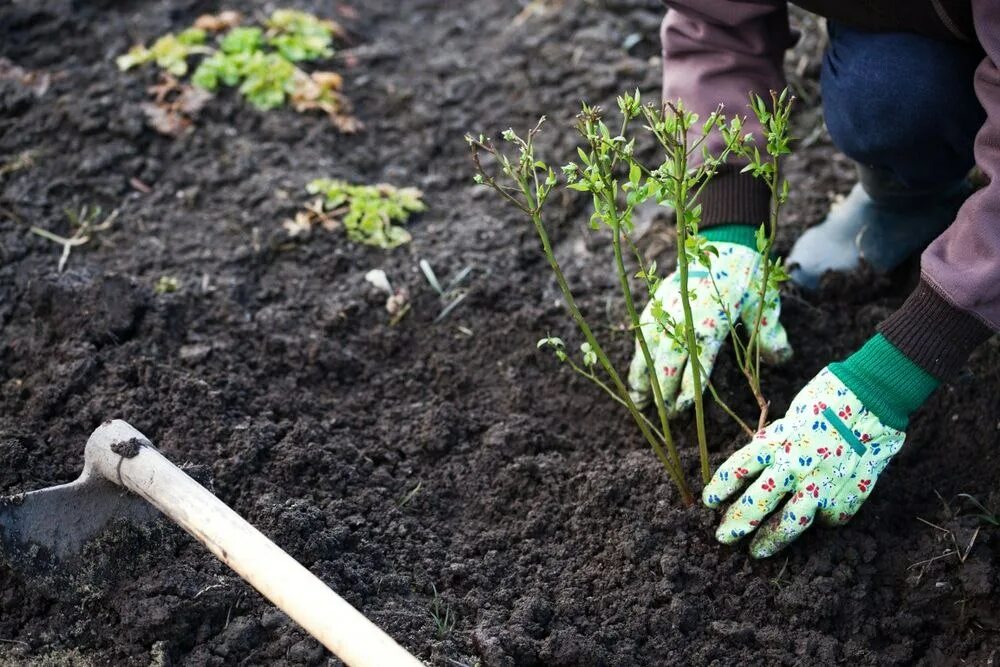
(885, 380)
(739, 234)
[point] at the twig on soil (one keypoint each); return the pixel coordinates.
(957, 551)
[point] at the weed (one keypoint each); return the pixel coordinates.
(986, 516)
(367, 212)
(778, 580)
(23, 160)
(166, 285)
(444, 619)
(618, 182)
(410, 495)
(450, 296)
(85, 224)
(261, 60)
(170, 52)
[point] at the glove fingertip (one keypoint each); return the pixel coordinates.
(640, 398)
(759, 551)
(778, 356)
(710, 497)
(727, 536)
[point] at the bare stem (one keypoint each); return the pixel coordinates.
(602, 358)
(680, 171)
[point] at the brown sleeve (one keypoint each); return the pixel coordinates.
(963, 264)
(716, 52)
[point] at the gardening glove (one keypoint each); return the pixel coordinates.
(826, 453)
(737, 272)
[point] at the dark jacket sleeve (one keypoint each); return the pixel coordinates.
(717, 52)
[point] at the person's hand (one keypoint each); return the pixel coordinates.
(826, 453)
(737, 272)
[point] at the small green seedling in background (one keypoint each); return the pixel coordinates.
(86, 223)
(984, 515)
(410, 495)
(166, 285)
(23, 160)
(450, 296)
(369, 213)
(444, 619)
(262, 61)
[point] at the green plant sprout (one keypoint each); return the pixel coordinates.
(367, 212)
(170, 52)
(260, 61)
(985, 515)
(166, 285)
(451, 295)
(86, 223)
(618, 182)
(441, 614)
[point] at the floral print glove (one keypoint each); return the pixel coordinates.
(737, 273)
(825, 454)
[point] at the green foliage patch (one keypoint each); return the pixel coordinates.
(262, 61)
(369, 213)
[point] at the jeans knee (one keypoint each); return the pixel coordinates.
(888, 94)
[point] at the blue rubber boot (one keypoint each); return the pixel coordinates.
(880, 221)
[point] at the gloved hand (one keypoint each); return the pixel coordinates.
(826, 453)
(737, 272)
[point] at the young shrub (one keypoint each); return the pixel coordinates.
(617, 182)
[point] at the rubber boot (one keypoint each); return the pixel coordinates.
(881, 221)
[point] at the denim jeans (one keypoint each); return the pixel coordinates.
(902, 103)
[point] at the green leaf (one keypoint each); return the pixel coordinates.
(242, 40)
(300, 36)
(761, 238)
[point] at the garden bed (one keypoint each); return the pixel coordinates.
(540, 522)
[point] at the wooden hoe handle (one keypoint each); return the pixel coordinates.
(121, 454)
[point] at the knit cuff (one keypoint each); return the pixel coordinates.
(731, 197)
(933, 333)
(886, 381)
(745, 235)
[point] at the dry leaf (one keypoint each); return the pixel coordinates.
(164, 120)
(175, 105)
(218, 22)
(300, 226)
(312, 215)
(328, 80)
(36, 81)
(319, 91)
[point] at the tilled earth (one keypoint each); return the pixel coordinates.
(451, 456)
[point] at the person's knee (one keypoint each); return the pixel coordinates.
(885, 94)
(871, 113)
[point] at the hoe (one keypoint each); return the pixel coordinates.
(123, 476)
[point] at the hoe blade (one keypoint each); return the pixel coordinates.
(43, 528)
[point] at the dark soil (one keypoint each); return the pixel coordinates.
(550, 533)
